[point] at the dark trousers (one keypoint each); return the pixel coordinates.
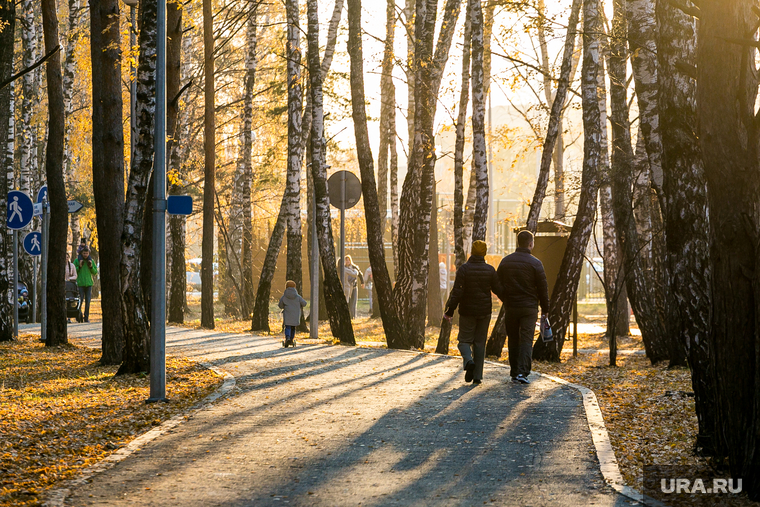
(290, 332)
(521, 326)
(473, 333)
(85, 295)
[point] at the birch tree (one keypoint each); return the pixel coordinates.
(7, 31)
(553, 131)
(108, 167)
(464, 100)
(337, 306)
(135, 316)
(387, 111)
(479, 155)
(376, 249)
(561, 303)
(687, 224)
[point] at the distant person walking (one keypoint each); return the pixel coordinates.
(443, 279)
(86, 267)
(474, 282)
(525, 289)
(71, 272)
(291, 303)
(369, 283)
(352, 276)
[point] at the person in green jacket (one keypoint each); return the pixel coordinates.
(86, 267)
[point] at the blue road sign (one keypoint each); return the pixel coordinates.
(42, 194)
(33, 243)
(74, 206)
(179, 205)
(20, 210)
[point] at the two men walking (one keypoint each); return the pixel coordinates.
(520, 283)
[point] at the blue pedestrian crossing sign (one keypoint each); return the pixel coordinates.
(42, 194)
(20, 210)
(33, 243)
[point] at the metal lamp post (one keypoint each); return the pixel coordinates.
(158, 289)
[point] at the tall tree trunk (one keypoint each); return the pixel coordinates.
(337, 306)
(135, 316)
(642, 32)
(640, 285)
(686, 223)
(479, 155)
(553, 131)
(260, 318)
(293, 182)
(376, 248)
(177, 155)
(29, 85)
(387, 108)
(435, 305)
(464, 100)
(247, 215)
(73, 36)
(611, 254)
(209, 148)
(108, 167)
(728, 130)
(566, 286)
(8, 21)
(414, 221)
(56, 266)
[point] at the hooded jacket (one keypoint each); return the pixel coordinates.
(291, 303)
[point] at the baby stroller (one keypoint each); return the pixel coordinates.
(72, 301)
(24, 304)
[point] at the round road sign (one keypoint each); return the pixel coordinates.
(353, 189)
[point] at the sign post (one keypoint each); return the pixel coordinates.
(19, 214)
(45, 238)
(345, 190)
(33, 246)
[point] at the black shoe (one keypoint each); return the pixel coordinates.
(515, 381)
(469, 370)
(476, 382)
(522, 379)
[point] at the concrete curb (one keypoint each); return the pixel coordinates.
(57, 497)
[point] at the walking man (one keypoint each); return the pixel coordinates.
(525, 289)
(475, 280)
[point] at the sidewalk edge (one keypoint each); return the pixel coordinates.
(57, 497)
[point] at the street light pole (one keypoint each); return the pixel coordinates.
(158, 291)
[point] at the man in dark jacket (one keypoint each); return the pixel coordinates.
(475, 280)
(524, 281)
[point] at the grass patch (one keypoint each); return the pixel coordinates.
(61, 411)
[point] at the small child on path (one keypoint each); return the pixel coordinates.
(291, 303)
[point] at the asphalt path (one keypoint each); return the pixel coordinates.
(332, 425)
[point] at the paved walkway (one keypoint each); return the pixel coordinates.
(332, 425)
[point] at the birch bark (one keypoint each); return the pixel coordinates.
(373, 212)
(135, 316)
(8, 21)
(553, 131)
(561, 303)
(464, 100)
(337, 306)
(479, 155)
(687, 222)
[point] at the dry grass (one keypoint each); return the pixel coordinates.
(61, 411)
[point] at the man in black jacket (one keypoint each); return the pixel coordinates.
(475, 280)
(524, 281)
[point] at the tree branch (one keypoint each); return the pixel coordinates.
(29, 69)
